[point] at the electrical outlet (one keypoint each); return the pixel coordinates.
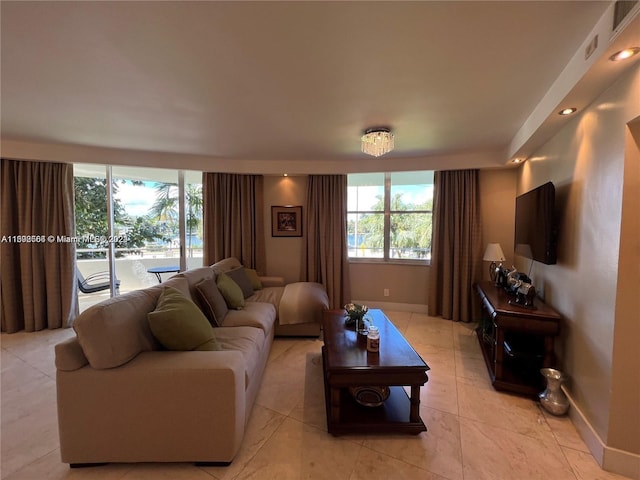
(386, 292)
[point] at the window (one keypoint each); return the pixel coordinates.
(389, 215)
(146, 228)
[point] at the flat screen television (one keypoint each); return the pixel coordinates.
(536, 229)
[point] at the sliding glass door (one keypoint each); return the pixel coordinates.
(154, 233)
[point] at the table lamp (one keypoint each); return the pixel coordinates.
(493, 254)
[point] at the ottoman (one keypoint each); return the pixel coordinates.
(300, 309)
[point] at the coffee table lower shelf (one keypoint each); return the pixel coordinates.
(393, 416)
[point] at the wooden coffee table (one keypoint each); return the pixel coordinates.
(347, 363)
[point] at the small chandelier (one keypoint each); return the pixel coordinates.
(377, 141)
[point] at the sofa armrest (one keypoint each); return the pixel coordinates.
(69, 355)
(160, 406)
(272, 281)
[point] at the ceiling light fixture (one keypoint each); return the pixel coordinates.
(567, 111)
(624, 54)
(377, 141)
(517, 160)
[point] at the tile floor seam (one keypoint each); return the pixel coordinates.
(564, 457)
(210, 474)
(27, 362)
(555, 434)
(573, 469)
(455, 363)
(399, 460)
(265, 442)
(547, 442)
(355, 463)
(27, 465)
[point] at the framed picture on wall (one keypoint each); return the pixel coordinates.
(286, 221)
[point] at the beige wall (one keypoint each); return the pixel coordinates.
(497, 206)
(624, 431)
(586, 162)
(407, 284)
(284, 254)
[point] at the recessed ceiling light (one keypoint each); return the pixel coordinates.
(517, 160)
(624, 54)
(567, 111)
(285, 174)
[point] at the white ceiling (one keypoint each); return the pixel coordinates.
(284, 81)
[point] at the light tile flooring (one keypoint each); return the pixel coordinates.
(474, 431)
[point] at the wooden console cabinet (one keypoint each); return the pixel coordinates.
(516, 341)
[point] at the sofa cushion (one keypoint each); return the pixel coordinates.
(226, 264)
(178, 282)
(254, 314)
(230, 291)
(270, 295)
(114, 331)
(196, 275)
(211, 301)
(254, 278)
(178, 323)
(239, 275)
(248, 341)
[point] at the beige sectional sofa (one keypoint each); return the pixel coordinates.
(122, 397)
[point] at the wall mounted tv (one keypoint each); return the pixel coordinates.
(535, 235)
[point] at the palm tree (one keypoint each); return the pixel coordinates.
(194, 212)
(165, 209)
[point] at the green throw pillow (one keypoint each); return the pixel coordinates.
(178, 323)
(254, 278)
(230, 290)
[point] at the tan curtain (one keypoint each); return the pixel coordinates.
(37, 275)
(233, 220)
(456, 249)
(325, 258)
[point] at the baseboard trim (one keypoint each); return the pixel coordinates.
(609, 458)
(391, 306)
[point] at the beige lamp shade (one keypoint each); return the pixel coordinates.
(493, 253)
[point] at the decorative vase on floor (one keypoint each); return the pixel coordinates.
(553, 398)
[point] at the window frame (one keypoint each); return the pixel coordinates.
(387, 213)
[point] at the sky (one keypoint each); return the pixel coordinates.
(137, 199)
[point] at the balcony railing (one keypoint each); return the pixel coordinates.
(131, 270)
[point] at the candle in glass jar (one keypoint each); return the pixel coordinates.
(373, 339)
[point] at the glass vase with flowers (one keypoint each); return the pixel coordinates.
(355, 316)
